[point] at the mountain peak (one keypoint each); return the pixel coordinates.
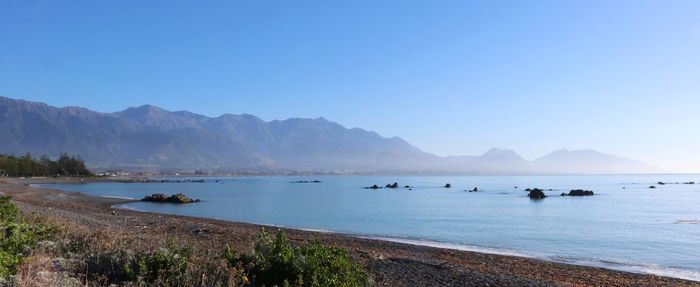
(498, 153)
(144, 109)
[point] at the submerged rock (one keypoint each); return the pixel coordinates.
(175, 198)
(536, 193)
(373, 187)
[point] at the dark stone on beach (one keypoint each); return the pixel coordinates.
(175, 198)
(536, 193)
(447, 185)
(651, 186)
(578, 192)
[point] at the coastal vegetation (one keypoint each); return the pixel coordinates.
(84, 257)
(64, 165)
(275, 262)
(17, 237)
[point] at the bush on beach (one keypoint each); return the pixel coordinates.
(17, 237)
(275, 262)
(86, 257)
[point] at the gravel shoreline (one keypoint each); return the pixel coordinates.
(389, 263)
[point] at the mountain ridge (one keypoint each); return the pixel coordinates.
(151, 138)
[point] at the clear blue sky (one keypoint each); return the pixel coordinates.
(451, 77)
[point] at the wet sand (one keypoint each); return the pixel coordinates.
(389, 263)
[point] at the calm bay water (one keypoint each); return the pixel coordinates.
(625, 226)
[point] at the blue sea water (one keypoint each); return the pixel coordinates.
(625, 225)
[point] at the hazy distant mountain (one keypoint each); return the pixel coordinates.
(587, 161)
(151, 138)
(494, 160)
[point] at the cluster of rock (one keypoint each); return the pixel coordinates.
(388, 185)
(151, 180)
(175, 198)
(474, 190)
(535, 193)
(664, 183)
(577, 192)
(306, 181)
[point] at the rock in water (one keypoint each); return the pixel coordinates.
(447, 185)
(579, 192)
(175, 198)
(536, 193)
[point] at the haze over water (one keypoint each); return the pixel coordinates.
(625, 225)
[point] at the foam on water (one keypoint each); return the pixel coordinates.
(453, 246)
(607, 264)
(119, 197)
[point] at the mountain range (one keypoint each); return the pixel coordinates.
(148, 138)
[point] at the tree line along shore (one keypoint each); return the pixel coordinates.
(26, 165)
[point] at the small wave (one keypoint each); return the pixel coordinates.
(687, 221)
(454, 246)
(118, 197)
(641, 268)
(317, 230)
(126, 207)
(592, 262)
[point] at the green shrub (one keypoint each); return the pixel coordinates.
(329, 266)
(8, 211)
(276, 262)
(164, 266)
(17, 237)
(8, 263)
